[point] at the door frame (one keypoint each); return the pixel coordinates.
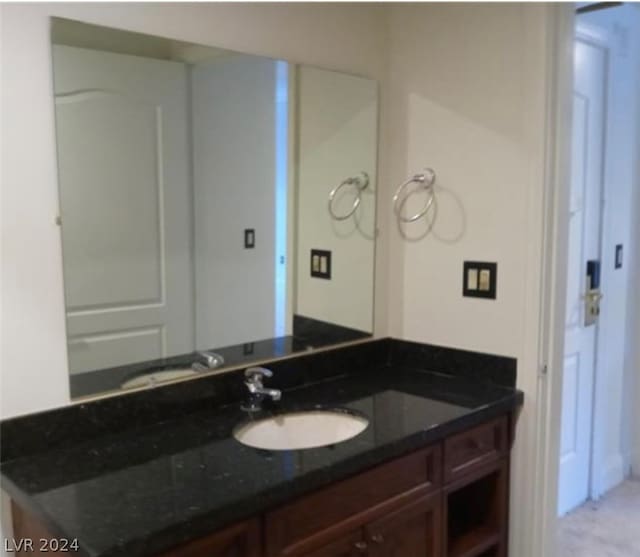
(560, 26)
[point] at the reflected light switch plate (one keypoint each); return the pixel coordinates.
(249, 238)
(321, 264)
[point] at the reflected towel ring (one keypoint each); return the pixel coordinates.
(427, 180)
(360, 183)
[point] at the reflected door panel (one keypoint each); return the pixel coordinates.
(124, 201)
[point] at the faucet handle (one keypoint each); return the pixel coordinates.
(256, 373)
(213, 359)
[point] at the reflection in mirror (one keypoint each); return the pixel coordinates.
(194, 185)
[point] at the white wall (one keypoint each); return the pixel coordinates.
(467, 97)
(34, 366)
(633, 331)
(337, 138)
(620, 29)
(633, 336)
(234, 174)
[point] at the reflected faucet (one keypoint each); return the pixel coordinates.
(212, 360)
(257, 392)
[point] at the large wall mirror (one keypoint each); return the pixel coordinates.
(216, 208)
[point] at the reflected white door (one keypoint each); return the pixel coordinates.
(125, 198)
(584, 245)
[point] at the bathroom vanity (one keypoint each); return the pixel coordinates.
(184, 265)
(160, 473)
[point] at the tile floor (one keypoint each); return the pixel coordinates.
(606, 528)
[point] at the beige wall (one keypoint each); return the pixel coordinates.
(467, 86)
(462, 113)
(34, 366)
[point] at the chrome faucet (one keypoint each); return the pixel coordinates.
(212, 360)
(257, 391)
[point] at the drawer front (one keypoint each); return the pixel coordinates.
(350, 503)
(465, 451)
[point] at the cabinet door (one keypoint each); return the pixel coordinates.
(413, 530)
(239, 540)
(349, 545)
(348, 505)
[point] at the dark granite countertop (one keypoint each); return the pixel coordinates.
(144, 489)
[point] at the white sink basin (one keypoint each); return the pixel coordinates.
(301, 430)
(155, 377)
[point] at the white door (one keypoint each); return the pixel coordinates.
(121, 125)
(584, 245)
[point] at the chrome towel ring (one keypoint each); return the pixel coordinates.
(360, 183)
(427, 180)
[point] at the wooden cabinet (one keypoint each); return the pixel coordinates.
(475, 508)
(447, 500)
(409, 531)
(347, 545)
(470, 449)
(240, 540)
(310, 522)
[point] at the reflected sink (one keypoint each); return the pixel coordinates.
(301, 430)
(154, 377)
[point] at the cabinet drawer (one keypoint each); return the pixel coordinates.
(350, 503)
(466, 451)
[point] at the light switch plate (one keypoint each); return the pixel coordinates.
(619, 256)
(321, 264)
(249, 238)
(480, 279)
